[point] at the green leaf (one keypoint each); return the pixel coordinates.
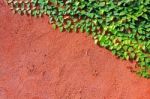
(61, 29)
(54, 26)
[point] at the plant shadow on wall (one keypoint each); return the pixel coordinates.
(122, 26)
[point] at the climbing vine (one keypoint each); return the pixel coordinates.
(122, 26)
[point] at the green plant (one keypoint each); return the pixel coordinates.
(122, 26)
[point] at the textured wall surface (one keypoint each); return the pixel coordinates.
(37, 62)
